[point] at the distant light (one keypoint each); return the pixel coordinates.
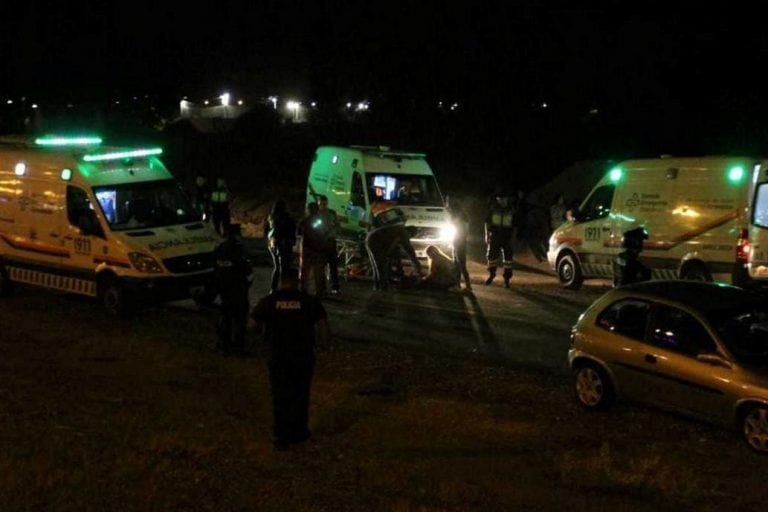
(69, 105)
(615, 174)
(440, 104)
(735, 174)
(225, 99)
(66, 174)
(240, 102)
(454, 106)
(135, 98)
(593, 111)
(313, 104)
(20, 169)
(544, 104)
(349, 104)
(205, 102)
(67, 141)
(273, 99)
(362, 106)
(9, 102)
(293, 105)
(117, 102)
(34, 105)
(122, 154)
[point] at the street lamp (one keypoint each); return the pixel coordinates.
(294, 106)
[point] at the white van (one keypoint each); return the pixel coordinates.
(357, 177)
(110, 223)
(707, 219)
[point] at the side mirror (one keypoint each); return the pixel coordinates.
(714, 360)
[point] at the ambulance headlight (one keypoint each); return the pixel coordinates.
(144, 263)
(447, 232)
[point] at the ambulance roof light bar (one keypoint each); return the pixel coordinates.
(68, 141)
(120, 155)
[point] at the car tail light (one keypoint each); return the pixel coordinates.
(742, 247)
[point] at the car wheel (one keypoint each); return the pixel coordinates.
(113, 296)
(755, 424)
(695, 272)
(569, 272)
(206, 297)
(6, 286)
(594, 389)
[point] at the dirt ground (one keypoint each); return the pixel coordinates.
(99, 414)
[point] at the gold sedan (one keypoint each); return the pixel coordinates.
(695, 347)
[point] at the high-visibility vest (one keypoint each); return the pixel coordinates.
(502, 218)
(219, 196)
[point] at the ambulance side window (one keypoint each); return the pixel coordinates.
(357, 196)
(598, 205)
(80, 212)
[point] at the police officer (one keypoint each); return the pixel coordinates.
(499, 234)
(281, 236)
(220, 206)
(232, 271)
(329, 226)
(292, 321)
(385, 242)
(627, 268)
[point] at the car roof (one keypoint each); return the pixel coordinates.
(700, 295)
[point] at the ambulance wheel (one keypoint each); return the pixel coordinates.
(695, 271)
(569, 272)
(6, 286)
(113, 296)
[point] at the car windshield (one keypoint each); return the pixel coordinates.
(148, 204)
(405, 189)
(744, 330)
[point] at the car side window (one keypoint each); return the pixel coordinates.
(627, 317)
(676, 330)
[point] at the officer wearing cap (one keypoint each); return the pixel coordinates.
(232, 270)
(627, 268)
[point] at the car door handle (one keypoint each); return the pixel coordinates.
(650, 358)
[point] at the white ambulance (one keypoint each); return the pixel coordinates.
(707, 219)
(356, 178)
(105, 222)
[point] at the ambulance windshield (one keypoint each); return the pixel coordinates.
(406, 189)
(149, 204)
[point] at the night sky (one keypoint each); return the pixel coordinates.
(682, 75)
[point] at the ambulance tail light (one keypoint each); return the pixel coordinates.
(743, 247)
(144, 263)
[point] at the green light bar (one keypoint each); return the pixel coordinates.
(123, 154)
(67, 141)
(616, 174)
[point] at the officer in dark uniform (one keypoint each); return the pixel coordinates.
(627, 268)
(232, 271)
(281, 234)
(292, 321)
(499, 234)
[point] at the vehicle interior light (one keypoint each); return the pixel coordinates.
(119, 155)
(66, 174)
